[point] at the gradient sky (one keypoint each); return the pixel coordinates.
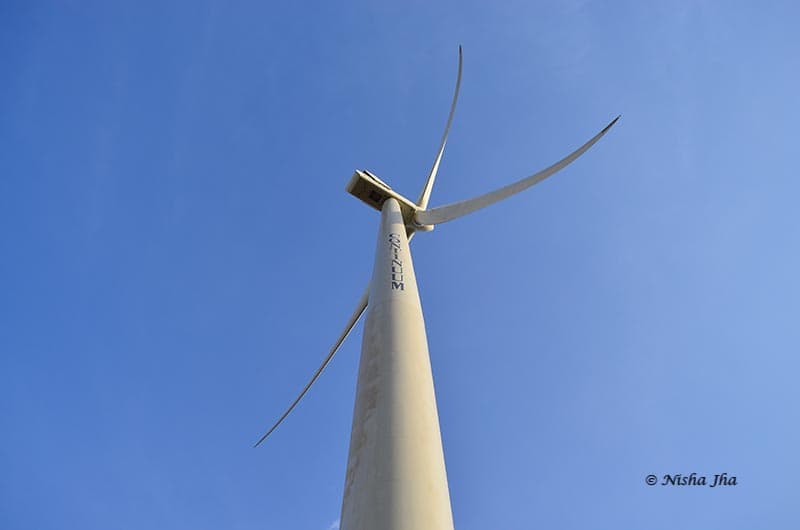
(177, 254)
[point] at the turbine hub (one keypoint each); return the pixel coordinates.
(373, 191)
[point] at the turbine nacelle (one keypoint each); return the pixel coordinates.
(373, 191)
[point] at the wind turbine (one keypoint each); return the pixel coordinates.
(396, 477)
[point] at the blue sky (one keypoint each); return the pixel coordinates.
(177, 254)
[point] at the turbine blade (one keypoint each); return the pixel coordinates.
(442, 214)
(425, 196)
(362, 304)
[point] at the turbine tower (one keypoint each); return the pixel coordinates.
(396, 477)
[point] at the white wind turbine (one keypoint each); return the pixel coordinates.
(396, 477)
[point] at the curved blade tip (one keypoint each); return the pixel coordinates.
(266, 435)
(607, 127)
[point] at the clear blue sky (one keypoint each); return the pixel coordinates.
(177, 254)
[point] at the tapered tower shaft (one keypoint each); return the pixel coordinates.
(396, 477)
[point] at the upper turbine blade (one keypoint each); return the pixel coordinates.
(449, 212)
(425, 196)
(362, 304)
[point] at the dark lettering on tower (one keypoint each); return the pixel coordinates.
(397, 263)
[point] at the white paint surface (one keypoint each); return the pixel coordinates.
(396, 475)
